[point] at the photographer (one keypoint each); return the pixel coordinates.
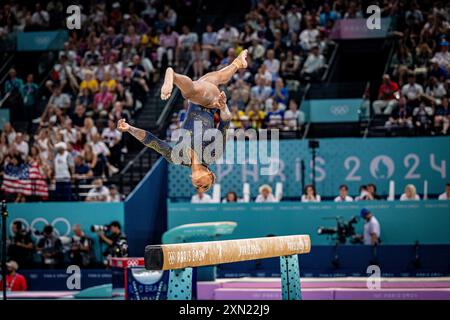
(81, 252)
(116, 241)
(50, 247)
(371, 234)
(20, 247)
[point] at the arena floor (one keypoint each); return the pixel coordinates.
(312, 289)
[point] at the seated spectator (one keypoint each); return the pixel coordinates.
(227, 36)
(437, 71)
(14, 280)
(372, 189)
(186, 42)
(210, 41)
(280, 94)
(168, 42)
(255, 115)
(99, 193)
(343, 195)
(82, 172)
(89, 82)
(81, 250)
(275, 116)
(201, 197)
(309, 36)
(50, 249)
(442, 116)
(293, 118)
(410, 194)
(314, 64)
(230, 197)
(422, 118)
(435, 91)
(443, 56)
(412, 91)
(113, 138)
(103, 101)
(265, 194)
(272, 64)
(364, 194)
(387, 96)
(446, 194)
(260, 92)
(400, 117)
(310, 194)
(290, 66)
(21, 146)
(20, 247)
(114, 195)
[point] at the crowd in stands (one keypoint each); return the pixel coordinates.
(366, 193)
(415, 92)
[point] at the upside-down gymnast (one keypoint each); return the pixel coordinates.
(205, 98)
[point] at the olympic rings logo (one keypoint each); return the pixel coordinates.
(339, 110)
(56, 223)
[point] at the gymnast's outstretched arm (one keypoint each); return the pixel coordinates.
(148, 139)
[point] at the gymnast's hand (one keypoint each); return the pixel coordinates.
(122, 125)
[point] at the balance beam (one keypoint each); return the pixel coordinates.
(183, 255)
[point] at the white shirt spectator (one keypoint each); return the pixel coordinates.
(370, 227)
(40, 18)
(95, 194)
(61, 101)
(317, 199)
(273, 66)
(294, 20)
(114, 198)
(261, 93)
(227, 37)
(205, 198)
(347, 199)
(22, 147)
(444, 196)
(412, 91)
(313, 63)
(63, 162)
(443, 58)
(210, 38)
(270, 198)
(187, 40)
(100, 148)
(308, 38)
(404, 197)
(292, 118)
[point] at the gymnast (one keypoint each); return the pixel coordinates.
(205, 99)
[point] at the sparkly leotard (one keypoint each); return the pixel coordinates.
(196, 116)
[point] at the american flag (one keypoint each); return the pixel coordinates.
(25, 179)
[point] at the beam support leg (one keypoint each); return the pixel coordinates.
(290, 278)
(180, 284)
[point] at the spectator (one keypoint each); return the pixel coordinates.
(443, 56)
(20, 246)
(290, 66)
(260, 92)
(400, 117)
(412, 91)
(114, 195)
(99, 193)
(265, 194)
(422, 116)
(310, 194)
(275, 116)
(387, 96)
(168, 42)
(201, 197)
(372, 189)
(29, 93)
(272, 64)
(81, 250)
(113, 138)
(343, 195)
(186, 42)
(14, 280)
(314, 64)
(50, 249)
(280, 93)
(63, 169)
(82, 172)
(21, 146)
(58, 99)
(227, 36)
(40, 18)
(309, 36)
(293, 118)
(116, 240)
(210, 41)
(410, 194)
(372, 230)
(442, 116)
(230, 197)
(364, 194)
(446, 194)
(12, 89)
(103, 101)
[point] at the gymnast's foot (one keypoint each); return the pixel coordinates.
(166, 89)
(241, 61)
(225, 114)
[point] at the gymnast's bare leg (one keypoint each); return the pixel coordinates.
(204, 91)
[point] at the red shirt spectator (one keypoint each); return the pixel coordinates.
(387, 89)
(14, 280)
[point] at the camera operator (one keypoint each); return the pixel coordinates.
(50, 247)
(371, 234)
(116, 241)
(81, 252)
(20, 247)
